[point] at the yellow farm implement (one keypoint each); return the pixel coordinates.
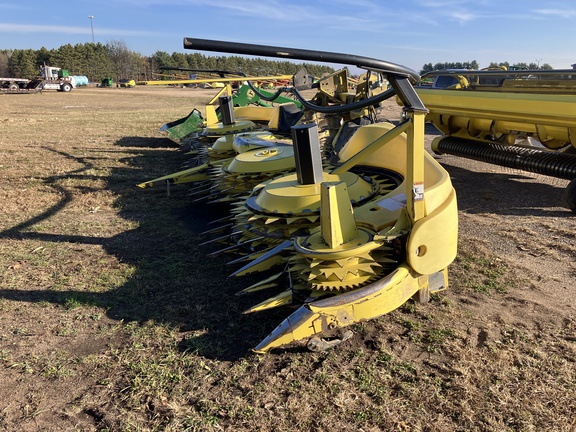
(342, 227)
(518, 119)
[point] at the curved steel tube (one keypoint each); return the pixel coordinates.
(401, 78)
(367, 63)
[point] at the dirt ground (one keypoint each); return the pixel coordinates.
(519, 217)
(113, 319)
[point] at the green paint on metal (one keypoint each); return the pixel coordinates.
(180, 128)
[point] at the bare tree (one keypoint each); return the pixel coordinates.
(120, 58)
(4, 63)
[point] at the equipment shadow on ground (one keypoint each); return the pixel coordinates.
(174, 281)
(513, 193)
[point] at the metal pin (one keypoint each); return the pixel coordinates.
(267, 255)
(200, 185)
(219, 239)
(224, 219)
(220, 228)
(236, 246)
(243, 258)
(200, 191)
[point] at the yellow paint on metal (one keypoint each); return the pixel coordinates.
(354, 249)
(271, 115)
(254, 113)
(270, 282)
(219, 128)
(368, 86)
(367, 150)
(334, 259)
(334, 85)
(244, 142)
(286, 196)
(561, 86)
(371, 301)
(224, 144)
(284, 298)
(269, 159)
(550, 118)
(262, 266)
(274, 120)
(314, 246)
(336, 216)
(433, 240)
(211, 116)
(184, 176)
(394, 155)
(227, 89)
(415, 165)
(216, 80)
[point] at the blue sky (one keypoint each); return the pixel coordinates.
(408, 32)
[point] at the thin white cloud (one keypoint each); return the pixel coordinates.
(463, 16)
(279, 10)
(269, 10)
(442, 4)
(360, 8)
(436, 11)
(35, 28)
(12, 6)
(562, 13)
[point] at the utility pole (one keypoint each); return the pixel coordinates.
(91, 17)
(92, 26)
(538, 62)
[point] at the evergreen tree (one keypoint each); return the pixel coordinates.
(100, 63)
(426, 68)
(43, 57)
(180, 60)
(64, 58)
(22, 64)
(161, 59)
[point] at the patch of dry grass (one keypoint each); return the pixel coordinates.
(113, 319)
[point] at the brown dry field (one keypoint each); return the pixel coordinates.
(113, 319)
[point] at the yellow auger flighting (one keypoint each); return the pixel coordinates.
(520, 119)
(354, 237)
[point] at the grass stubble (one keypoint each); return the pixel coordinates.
(112, 318)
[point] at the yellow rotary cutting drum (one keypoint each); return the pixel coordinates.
(342, 240)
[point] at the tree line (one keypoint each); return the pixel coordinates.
(428, 67)
(113, 59)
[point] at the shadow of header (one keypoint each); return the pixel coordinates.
(173, 282)
(516, 193)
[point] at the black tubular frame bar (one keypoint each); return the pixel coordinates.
(400, 77)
